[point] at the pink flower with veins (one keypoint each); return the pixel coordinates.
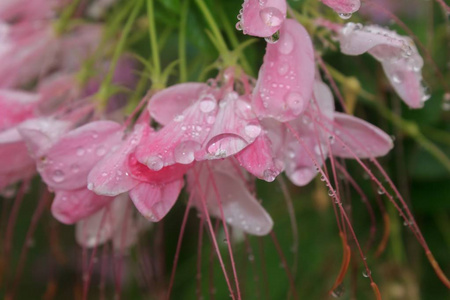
(220, 185)
(262, 18)
(345, 8)
(152, 192)
(206, 124)
(65, 161)
(398, 55)
(285, 80)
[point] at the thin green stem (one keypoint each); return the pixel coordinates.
(182, 41)
(103, 92)
(222, 46)
(153, 40)
(63, 21)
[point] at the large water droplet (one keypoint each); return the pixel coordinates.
(271, 16)
(184, 152)
(269, 175)
(224, 145)
(283, 68)
(295, 102)
(345, 16)
(58, 176)
(366, 273)
(155, 163)
(286, 44)
(239, 26)
(273, 38)
(339, 291)
(252, 130)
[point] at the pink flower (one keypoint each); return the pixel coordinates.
(261, 17)
(220, 185)
(153, 192)
(398, 55)
(345, 8)
(285, 80)
(65, 161)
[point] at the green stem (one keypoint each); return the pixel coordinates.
(103, 92)
(153, 40)
(63, 21)
(182, 41)
(222, 46)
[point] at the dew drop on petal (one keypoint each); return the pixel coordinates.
(345, 16)
(239, 26)
(271, 16)
(155, 163)
(184, 152)
(295, 102)
(273, 38)
(283, 68)
(101, 151)
(58, 176)
(286, 44)
(252, 130)
(80, 151)
(269, 175)
(208, 104)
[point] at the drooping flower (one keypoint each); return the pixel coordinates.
(285, 80)
(262, 18)
(65, 163)
(397, 54)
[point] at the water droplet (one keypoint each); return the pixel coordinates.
(380, 191)
(273, 38)
(239, 26)
(396, 78)
(208, 104)
(345, 16)
(184, 152)
(330, 193)
(283, 68)
(271, 16)
(58, 176)
(178, 118)
(225, 241)
(366, 273)
(80, 151)
(269, 175)
(339, 291)
(252, 130)
(286, 44)
(155, 163)
(295, 102)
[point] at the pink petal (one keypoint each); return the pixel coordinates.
(16, 106)
(69, 207)
(398, 55)
(343, 6)
(262, 18)
(324, 100)
(106, 224)
(361, 137)
(41, 134)
(300, 167)
(155, 201)
(258, 159)
(235, 127)
(240, 208)
(285, 80)
(180, 140)
(169, 103)
(67, 164)
(112, 175)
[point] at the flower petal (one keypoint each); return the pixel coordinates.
(69, 207)
(285, 80)
(67, 164)
(240, 208)
(361, 137)
(169, 103)
(398, 55)
(235, 127)
(155, 201)
(16, 106)
(343, 6)
(262, 18)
